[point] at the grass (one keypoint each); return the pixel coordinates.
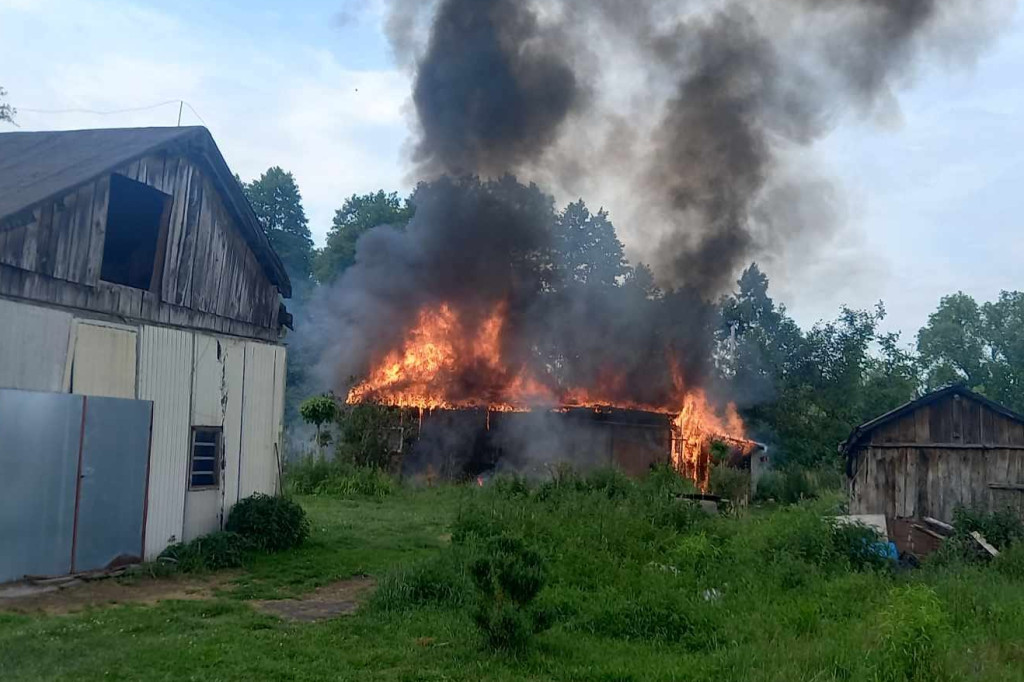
(639, 587)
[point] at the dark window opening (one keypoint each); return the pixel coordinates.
(205, 463)
(137, 217)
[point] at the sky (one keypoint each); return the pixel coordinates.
(930, 193)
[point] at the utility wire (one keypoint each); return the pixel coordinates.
(179, 102)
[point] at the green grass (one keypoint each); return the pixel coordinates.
(628, 568)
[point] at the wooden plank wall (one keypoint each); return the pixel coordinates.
(210, 278)
(953, 452)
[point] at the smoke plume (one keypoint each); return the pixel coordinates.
(692, 110)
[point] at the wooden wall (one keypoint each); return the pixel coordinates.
(210, 277)
(955, 451)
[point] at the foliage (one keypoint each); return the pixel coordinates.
(913, 631)
(1002, 528)
(508, 575)
(7, 112)
(589, 252)
(270, 524)
(787, 486)
(212, 552)
(276, 200)
(730, 483)
(621, 596)
(358, 215)
(335, 478)
(366, 433)
(319, 410)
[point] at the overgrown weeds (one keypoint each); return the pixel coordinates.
(333, 478)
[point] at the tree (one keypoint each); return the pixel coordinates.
(587, 249)
(319, 410)
(952, 345)
(7, 112)
(276, 200)
(1003, 325)
(359, 213)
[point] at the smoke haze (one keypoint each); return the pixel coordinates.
(689, 114)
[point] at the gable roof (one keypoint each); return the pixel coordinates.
(847, 447)
(37, 166)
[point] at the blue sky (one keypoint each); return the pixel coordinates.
(930, 193)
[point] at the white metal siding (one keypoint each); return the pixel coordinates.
(104, 361)
(165, 377)
(280, 384)
(234, 373)
(33, 347)
(258, 464)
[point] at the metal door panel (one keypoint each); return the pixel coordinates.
(39, 447)
(112, 497)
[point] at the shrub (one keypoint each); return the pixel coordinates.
(612, 482)
(912, 627)
(1001, 528)
(508, 575)
(270, 524)
(696, 554)
(732, 484)
(785, 487)
(222, 549)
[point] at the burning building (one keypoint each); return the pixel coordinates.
(491, 303)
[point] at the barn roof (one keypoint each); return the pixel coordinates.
(858, 434)
(37, 166)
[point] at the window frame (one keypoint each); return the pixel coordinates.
(162, 233)
(218, 456)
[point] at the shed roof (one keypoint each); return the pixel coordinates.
(846, 447)
(37, 166)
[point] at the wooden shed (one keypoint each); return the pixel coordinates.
(141, 313)
(949, 448)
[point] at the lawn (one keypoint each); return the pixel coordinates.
(638, 586)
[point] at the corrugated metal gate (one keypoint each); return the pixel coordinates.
(73, 493)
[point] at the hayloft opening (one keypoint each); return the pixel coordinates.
(137, 218)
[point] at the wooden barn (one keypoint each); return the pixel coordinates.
(951, 447)
(142, 374)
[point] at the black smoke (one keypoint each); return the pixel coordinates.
(725, 92)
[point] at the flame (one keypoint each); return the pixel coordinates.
(445, 363)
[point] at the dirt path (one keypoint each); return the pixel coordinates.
(341, 598)
(80, 594)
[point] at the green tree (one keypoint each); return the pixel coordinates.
(7, 112)
(1003, 324)
(276, 200)
(952, 344)
(587, 249)
(359, 213)
(319, 410)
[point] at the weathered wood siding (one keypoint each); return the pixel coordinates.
(955, 451)
(210, 278)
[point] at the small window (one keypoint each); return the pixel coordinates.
(137, 217)
(204, 467)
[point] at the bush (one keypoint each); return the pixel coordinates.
(222, 549)
(1001, 528)
(508, 575)
(270, 524)
(732, 484)
(785, 487)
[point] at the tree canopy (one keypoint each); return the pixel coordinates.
(7, 112)
(359, 213)
(276, 200)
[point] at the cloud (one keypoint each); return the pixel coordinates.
(283, 102)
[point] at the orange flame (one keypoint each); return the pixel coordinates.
(429, 371)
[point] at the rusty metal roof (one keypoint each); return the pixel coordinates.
(37, 166)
